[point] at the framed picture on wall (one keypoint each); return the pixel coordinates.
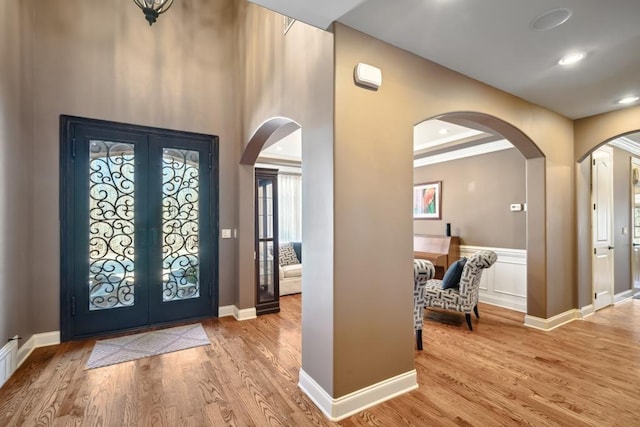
(427, 200)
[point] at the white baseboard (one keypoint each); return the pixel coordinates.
(226, 310)
(517, 305)
(37, 340)
(587, 311)
(238, 314)
(552, 322)
(623, 297)
(352, 403)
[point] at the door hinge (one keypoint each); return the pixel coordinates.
(594, 206)
(595, 295)
(73, 147)
(210, 160)
(594, 251)
(73, 306)
(594, 162)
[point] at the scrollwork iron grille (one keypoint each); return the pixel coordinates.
(180, 241)
(111, 225)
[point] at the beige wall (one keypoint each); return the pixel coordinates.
(477, 194)
(593, 131)
(292, 76)
(420, 89)
(16, 264)
(102, 60)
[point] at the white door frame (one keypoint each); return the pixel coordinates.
(602, 228)
(635, 176)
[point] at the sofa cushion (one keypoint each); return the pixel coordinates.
(293, 270)
(287, 255)
(451, 279)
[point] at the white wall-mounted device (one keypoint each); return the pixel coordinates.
(367, 75)
(516, 207)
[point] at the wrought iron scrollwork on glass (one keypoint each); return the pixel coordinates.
(111, 225)
(180, 240)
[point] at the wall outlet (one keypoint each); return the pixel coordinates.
(226, 233)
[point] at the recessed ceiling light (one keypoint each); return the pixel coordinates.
(443, 131)
(629, 100)
(551, 19)
(571, 58)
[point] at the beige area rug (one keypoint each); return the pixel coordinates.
(132, 347)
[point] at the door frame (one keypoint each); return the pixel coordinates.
(610, 201)
(66, 210)
(635, 165)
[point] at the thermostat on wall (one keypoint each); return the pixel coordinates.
(368, 75)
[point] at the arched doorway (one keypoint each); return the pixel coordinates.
(270, 132)
(491, 131)
(625, 150)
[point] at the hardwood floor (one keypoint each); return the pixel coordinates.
(584, 373)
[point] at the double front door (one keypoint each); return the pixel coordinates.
(139, 209)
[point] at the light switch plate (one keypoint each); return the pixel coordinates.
(516, 207)
(226, 233)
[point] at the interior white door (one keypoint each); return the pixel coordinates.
(635, 224)
(602, 226)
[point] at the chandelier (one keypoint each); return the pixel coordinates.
(153, 8)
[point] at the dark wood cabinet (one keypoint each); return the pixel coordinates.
(266, 242)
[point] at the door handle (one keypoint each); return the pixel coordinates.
(610, 247)
(635, 245)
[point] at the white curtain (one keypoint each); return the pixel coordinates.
(289, 208)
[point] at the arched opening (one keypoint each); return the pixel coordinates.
(275, 147)
(268, 133)
(608, 241)
(511, 223)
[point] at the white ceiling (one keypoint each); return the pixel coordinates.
(492, 41)
(288, 148)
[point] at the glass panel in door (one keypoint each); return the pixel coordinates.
(180, 224)
(266, 281)
(111, 225)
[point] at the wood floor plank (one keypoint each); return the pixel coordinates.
(586, 373)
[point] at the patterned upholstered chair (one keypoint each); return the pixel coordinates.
(465, 298)
(423, 270)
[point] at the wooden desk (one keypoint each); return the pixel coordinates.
(442, 251)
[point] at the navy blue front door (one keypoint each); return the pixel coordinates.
(139, 227)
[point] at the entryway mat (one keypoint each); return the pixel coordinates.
(132, 347)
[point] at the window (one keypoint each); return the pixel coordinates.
(289, 207)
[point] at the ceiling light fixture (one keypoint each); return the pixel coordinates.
(571, 58)
(629, 100)
(443, 131)
(153, 8)
(551, 19)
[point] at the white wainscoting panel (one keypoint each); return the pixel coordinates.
(8, 360)
(505, 283)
